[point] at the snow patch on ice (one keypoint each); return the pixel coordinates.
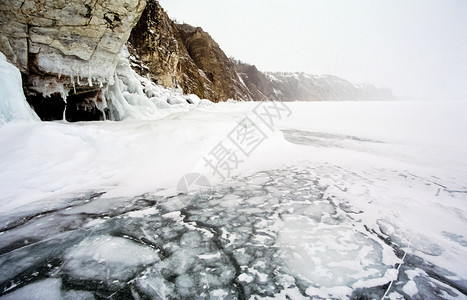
(245, 278)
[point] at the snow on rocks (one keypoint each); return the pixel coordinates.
(133, 97)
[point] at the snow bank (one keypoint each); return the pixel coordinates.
(13, 105)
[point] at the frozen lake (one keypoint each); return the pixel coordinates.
(343, 200)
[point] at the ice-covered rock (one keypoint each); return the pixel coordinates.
(67, 50)
(132, 96)
(79, 38)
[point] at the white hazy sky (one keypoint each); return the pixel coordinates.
(418, 48)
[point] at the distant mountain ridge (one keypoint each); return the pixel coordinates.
(306, 87)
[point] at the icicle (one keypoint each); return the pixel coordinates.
(73, 83)
(63, 92)
(89, 76)
(64, 113)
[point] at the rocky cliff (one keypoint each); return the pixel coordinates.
(67, 51)
(180, 55)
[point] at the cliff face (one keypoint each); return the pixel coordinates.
(213, 64)
(257, 82)
(66, 49)
(180, 55)
(176, 55)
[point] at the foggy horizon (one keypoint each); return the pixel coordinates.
(417, 48)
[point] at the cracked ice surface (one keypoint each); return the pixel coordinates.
(274, 234)
(346, 196)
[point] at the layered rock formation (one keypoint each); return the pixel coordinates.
(179, 55)
(66, 50)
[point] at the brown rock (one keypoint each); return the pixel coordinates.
(183, 56)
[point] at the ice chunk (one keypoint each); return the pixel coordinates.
(112, 260)
(78, 295)
(13, 105)
(48, 289)
(152, 284)
(133, 97)
(410, 288)
(218, 294)
(209, 256)
(333, 258)
(143, 213)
